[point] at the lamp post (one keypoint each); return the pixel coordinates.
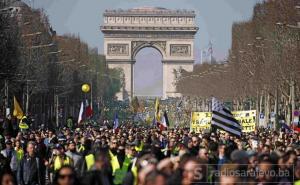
(85, 88)
(56, 99)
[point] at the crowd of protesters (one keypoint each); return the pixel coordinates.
(147, 156)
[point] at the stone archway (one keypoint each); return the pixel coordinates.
(136, 46)
(171, 32)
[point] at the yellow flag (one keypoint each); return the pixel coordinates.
(17, 109)
(157, 112)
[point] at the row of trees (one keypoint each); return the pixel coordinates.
(45, 71)
(263, 66)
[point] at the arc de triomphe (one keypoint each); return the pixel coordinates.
(171, 32)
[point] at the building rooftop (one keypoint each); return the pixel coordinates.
(147, 10)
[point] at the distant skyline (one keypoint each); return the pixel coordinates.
(213, 17)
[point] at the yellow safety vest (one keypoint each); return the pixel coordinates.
(120, 173)
(23, 125)
(90, 161)
(58, 163)
(139, 148)
(297, 182)
(114, 162)
(135, 175)
(81, 148)
(20, 154)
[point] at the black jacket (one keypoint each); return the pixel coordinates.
(96, 177)
(30, 171)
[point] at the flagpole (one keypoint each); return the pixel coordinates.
(57, 111)
(201, 59)
(84, 109)
(6, 96)
(91, 94)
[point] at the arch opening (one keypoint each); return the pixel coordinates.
(148, 72)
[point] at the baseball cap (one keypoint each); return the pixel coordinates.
(71, 142)
(8, 141)
(58, 146)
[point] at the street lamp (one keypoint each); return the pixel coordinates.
(64, 61)
(54, 52)
(57, 105)
(31, 34)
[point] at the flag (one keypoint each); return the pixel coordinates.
(296, 127)
(165, 121)
(206, 54)
(80, 113)
(157, 115)
(210, 49)
(164, 124)
(154, 122)
(88, 110)
(116, 122)
(223, 119)
(18, 112)
(284, 126)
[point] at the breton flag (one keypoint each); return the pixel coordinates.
(80, 113)
(116, 122)
(223, 119)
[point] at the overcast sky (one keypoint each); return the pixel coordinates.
(213, 17)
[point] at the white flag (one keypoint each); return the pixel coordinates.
(80, 113)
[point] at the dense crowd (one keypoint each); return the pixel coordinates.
(147, 156)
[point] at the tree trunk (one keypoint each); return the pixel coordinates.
(293, 99)
(267, 109)
(203, 105)
(276, 110)
(261, 103)
(27, 98)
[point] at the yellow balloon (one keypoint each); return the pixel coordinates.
(85, 88)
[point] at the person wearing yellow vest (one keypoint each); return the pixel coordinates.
(120, 170)
(60, 159)
(101, 172)
(23, 125)
(135, 176)
(88, 157)
(81, 148)
(113, 154)
(19, 151)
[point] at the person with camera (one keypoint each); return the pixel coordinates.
(59, 158)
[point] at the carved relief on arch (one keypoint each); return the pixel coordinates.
(137, 45)
(180, 50)
(117, 49)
